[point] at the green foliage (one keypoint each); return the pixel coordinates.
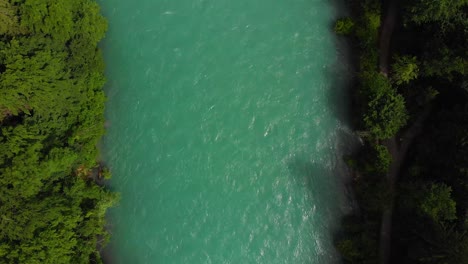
(439, 29)
(372, 19)
(386, 112)
(8, 18)
(344, 26)
(368, 61)
(445, 64)
(405, 69)
(349, 251)
(368, 24)
(386, 115)
(374, 83)
(429, 217)
(360, 244)
(435, 201)
(441, 11)
(51, 119)
(384, 158)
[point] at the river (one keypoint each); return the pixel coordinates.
(223, 131)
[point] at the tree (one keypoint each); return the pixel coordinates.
(435, 201)
(386, 112)
(445, 63)
(442, 11)
(405, 69)
(51, 119)
(8, 18)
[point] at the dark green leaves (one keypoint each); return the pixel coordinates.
(51, 119)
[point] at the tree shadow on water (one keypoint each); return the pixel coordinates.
(308, 174)
(342, 98)
(322, 187)
(340, 74)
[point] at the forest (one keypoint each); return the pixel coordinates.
(410, 108)
(52, 204)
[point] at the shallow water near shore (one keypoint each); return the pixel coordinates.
(223, 136)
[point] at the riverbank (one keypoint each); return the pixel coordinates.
(400, 102)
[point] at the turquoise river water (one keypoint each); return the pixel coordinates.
(223, 131)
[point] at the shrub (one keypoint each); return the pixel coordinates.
(386, 115)
(344, 26)
(436, 202)
(384, 159)
(386, 112)
(405, 69)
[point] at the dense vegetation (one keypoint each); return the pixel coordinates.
(51, 119)
(410, 177)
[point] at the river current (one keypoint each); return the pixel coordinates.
(223, 131)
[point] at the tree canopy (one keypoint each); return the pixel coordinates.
(51, 119)
(410, 176)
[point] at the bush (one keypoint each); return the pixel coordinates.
(344, 26)
(384, 158)
(405, 69)
(386, 115)
(386, 112)
(436, 202)
(372, 19)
